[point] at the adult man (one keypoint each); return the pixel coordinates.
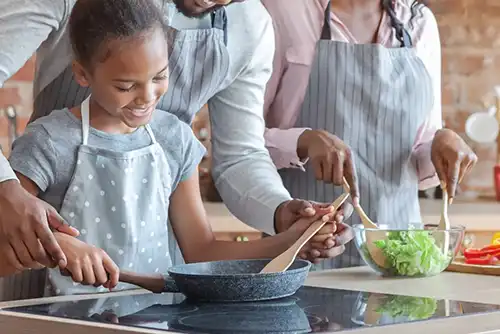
(219, 55)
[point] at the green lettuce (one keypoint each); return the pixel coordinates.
(412, 253)
(415, 308)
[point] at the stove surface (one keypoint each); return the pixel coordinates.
(310, 310)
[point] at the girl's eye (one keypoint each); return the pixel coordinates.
(161, 78)
(121, 89)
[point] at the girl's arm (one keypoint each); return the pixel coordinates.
(196, 239)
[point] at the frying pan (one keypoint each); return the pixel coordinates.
(225, 281)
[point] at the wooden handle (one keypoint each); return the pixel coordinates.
(154, 283)
(316, 226)
(364, 217)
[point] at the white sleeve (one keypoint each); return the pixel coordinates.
(24, 26)
(243, 171)
(6, 172)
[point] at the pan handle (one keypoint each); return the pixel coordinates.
(155, 283)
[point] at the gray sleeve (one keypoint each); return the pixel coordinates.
(192, 153)
(243, 171)
(24, 26)
(34, 156)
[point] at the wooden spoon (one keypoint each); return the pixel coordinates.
(283, 261)
(371, 236)
(442, 236)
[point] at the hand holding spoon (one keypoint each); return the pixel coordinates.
(283, 261)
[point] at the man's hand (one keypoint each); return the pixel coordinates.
(331, 159)
(26, 239)
(330, 240)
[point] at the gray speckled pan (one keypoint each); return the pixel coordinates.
(235, 281)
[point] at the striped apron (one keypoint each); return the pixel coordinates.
(198, 64)
(374, 99)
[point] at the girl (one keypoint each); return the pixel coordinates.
(360, 81)
(114, 168)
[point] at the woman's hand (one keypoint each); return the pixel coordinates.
(330, 157)
(452, 158)
(87, 264)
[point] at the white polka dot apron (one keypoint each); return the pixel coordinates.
(119, 202)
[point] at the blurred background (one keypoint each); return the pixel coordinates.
(470, 38)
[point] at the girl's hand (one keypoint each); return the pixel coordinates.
(87, 264)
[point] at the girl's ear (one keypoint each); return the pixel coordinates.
(81, 76)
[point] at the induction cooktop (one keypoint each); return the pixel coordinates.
(310, 310)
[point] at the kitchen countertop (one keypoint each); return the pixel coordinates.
(472, 288)
(474, 215)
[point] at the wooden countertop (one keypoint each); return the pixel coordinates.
(473, 288)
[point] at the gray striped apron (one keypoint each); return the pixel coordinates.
(199, 65)
(374, 99)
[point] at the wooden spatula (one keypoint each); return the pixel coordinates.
(375, 252)
(442, 236)
(283, 261)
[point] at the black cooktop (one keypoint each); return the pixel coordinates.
(310, 310)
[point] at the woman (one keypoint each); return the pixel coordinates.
(356, 92)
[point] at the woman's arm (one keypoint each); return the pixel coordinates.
(197, 241)
(428, 48)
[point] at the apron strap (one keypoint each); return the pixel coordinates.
(219, 21)
(150, 133)
(406, 39)
(326, 32)
(85, 112)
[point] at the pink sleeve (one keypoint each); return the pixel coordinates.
(282, 146)
(281, 140)
(429, 50)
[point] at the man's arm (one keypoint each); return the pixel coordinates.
(243, 171)
(24, 26)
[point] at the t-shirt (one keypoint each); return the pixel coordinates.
(47, 152)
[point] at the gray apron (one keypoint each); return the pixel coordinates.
(374, 99)
(119, 203)
(198, 64)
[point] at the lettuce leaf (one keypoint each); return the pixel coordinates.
(413, 253)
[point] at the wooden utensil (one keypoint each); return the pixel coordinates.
(154, 282)
(443, 237)
(285, 259)
(375, 252)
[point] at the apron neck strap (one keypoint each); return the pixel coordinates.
(85, 112)
(219, 21)
(150, 133)
(326, 33)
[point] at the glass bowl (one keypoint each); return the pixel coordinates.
(415, 252)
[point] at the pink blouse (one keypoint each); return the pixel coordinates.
(297, 25)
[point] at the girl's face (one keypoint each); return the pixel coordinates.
(128, 84)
